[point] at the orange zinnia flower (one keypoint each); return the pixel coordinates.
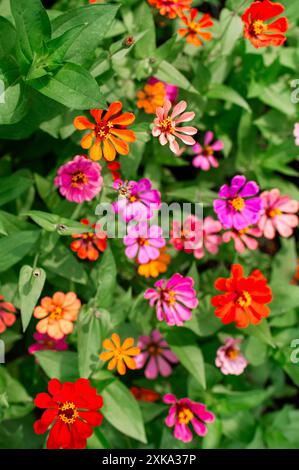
(57, 314)
(145, 394)
(151, 97)
(119, 355)
(263, 34)
(171, 8)
(155, 267)
(108, 134)
(194, 28)
(87, 245)
(244, 299)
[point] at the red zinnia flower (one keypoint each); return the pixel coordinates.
(7, 314)
(73, 410)
(244, 299)
(145, 394)
(87, 245)
(114, 168)
(263, 34)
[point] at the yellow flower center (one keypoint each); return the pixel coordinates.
(143, 241)
(259, 27)
(166, 126)
(208, 151)
(238, 203)
(79, 179)
(68, 412)
(102, 129)
(154, 349)
(274, 212)
(170, 297)
(185, 415)
(232, 353)
(56, 314)
(132, 198)
(244, 300)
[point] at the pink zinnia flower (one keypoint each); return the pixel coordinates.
(296, 133)
(243, 238)
(143, 242)
(230, 359)
(157, 356)
(205, 158)
(79, 180)
(172, 91)
(175, 299)
(184, 411)
(7, 314)
(44, 342)
(237, 207)
(166, 127)
(278, 213)
(137, 200)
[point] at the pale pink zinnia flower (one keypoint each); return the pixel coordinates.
(79, 180)
(155, 356)
(205, 158)
(278, 213)
(166, 127)
(296, 133)
(175, 298)
(230, 359)
(143, 242)
(243, 238)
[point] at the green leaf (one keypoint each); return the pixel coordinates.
(262, 332)
(61, 365)
(122, 411)
(31, 283)
(231, 27)
(58, 47)
(105, 279)
(285, 297)
(183, 344)
(285, 262)
(15, 247)
(168, 73)
(71, 86)
(218, 91)
(256, 351)
(7, 37)
(14, 400)
(145, 22)
(14, 185)
(32, 25)
(14, 95)
(55, 223)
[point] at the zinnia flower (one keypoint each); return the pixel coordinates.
(79, 180)
(114, 168)
(57, 314)
(175, 298)
(278, 214)
(194, 29)
(137, 200)
(155, 356)
(237, 207)
(171, 8)
(166, 127)
(109, 133)
(72, 410)
(243, 238)
(118, 355)
(88, 245)
(296, 133)
(171, 91)
(7, 314)
(205, 158)
(143, 242)
(184, 412)
(152, 96)
(244, 299)
(145, 394)
(44, 342)
(263, 34)
(230, 359)
(155, 267)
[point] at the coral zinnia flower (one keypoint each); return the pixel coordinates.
(7, 317)
(156, 355)
(79, 180)
(57, 314)
(244, 299)
(175, 298)
(151, 97)
(205, 158)
(143, 242)
(184, 411)
(278, 213)
(109, 133)
(119, 355)
(155, 267)
(243, 238)
(237, 207)
(87, 245)
(166, 127)
(263, 34)
(296, 133)
(44, 342)
(229, 358)
(172, 91)
(73, 410)
(145, 394)
(194, 31)
(171, 8)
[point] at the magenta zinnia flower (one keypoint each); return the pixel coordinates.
(157, 356)
(205, 158)
(166, 127)
(79, 180)
(137, 200)
(172, 91)
(237, 207)
(174, 299)
(230, 359)
(143, 242)
(278, 213)
(245, 238)
(184, 411)
(45, 342)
